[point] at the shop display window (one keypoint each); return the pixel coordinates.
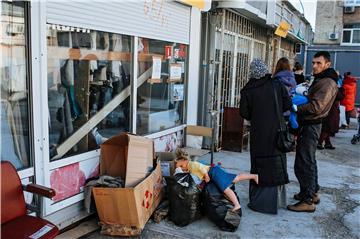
(14, 85)
(88, 88)
(162, 79)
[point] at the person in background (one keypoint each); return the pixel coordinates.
(299, 73)
(349, 86)
(257, 104)
(330, 125)
(284, 74)
(340, 81)
(321, 95)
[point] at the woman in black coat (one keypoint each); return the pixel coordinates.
(257, 104)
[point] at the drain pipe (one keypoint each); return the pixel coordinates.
(218, 108)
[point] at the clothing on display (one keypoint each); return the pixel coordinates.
(61, 123)
(67, 80)
(84, 87)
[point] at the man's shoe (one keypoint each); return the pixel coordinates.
(344, 126)
(329, 146)
(315, 199)
(320, 146)
(297, 196)
(302, 207)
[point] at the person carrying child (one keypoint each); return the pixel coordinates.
(222, 179)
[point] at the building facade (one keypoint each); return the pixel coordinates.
(69, 83)
(234, 33)
(338, 32)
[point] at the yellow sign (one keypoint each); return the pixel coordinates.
(201, 4)
(282, 29)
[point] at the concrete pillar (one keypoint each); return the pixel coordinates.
(194, 67)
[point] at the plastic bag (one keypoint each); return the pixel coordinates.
(185, 199)
(218, 208)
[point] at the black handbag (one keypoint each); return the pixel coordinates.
(285, 141)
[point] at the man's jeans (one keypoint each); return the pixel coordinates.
(305, 163)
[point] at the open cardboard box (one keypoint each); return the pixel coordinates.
(125, 211)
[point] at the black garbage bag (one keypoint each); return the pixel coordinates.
(218, 209)
(185, 199)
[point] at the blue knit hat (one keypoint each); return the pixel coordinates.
(258, 69)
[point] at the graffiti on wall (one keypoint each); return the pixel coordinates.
(169, 143)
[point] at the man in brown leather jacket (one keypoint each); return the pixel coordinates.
(322, 93)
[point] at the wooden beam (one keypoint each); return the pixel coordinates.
(86, 54)
(70, 142)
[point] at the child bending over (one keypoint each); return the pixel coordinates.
(222, 179)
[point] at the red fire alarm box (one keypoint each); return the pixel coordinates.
(167, 52)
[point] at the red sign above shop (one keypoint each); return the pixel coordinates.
(182, 51)
(167, 52)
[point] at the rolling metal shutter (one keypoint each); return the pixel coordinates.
(163, 20)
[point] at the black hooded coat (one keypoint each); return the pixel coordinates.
(257, 104)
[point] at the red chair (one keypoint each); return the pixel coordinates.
(15, 223)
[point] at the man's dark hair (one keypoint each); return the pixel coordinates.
(324, 54)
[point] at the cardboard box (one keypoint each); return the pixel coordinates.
(125, 211)
(128, 156)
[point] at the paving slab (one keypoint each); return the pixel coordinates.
(337, 215)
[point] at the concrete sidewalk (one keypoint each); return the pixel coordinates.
(337, 216)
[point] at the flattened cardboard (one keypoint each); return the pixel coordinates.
(199, 130)
(140, 158)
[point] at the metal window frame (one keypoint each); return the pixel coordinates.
(39, 71)
(42, 166)
(29, 171)
(351, 30)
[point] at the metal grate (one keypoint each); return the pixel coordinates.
(239, 41)
(240, 25)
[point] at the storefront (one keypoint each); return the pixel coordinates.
(232, 41)
(75, 74)
(234, 33)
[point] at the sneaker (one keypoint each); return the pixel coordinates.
(320, 147)
(329, 146)
(315, 199)
(302, 207)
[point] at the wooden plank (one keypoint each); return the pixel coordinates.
(86, 54)
(199, 130)
(89, 125)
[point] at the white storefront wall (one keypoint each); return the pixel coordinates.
(178, 23)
